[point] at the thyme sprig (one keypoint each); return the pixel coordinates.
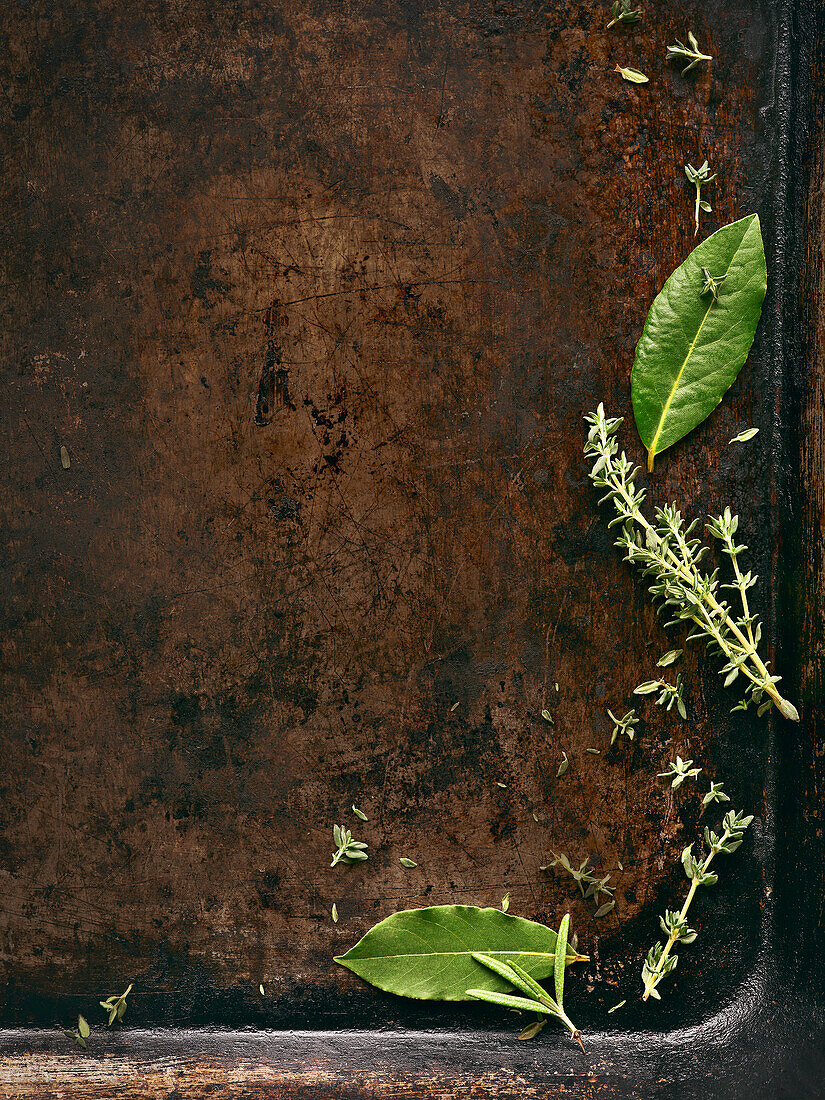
(81, 1032)
(623, 13)
(536, 998)
(668, 693)
(660, 961)
(668, 555)
(588, 883)
(348, 849)
(679, 770)
(691, 53)
(699, 177)
(624, 724)
(715, 794)
(711, 283)
(116, 1006)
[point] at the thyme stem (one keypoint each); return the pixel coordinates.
(665, 552)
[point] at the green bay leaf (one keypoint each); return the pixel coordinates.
(428, 953)
(693, 345)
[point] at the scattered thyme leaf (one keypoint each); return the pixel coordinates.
(565, 764)
(623, 13)
(633, 76)
(711, 283)
(359, 813)
(352, 851)
(715, 794)
(603, 910)
(594, 752)
(65, 461)
(116, 1006)
(669, 658)
(699, 177)
(532, 1030)
(623, 725)
(619, 1005)
(547, 716)
(405, 861)
(455, 706)
(745, 436)
(261, 989)
(691, 53)
(505, 903)
(500, 784)
(334, 913)
(679, 770)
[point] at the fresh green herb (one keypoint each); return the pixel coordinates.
(348, 849)
(679, 771)
(660, 961)
(699, 177)
(691, 350)
(670, 558)
(334, 913)
(428, 953)
(81, 1034)
(536, 998)
(715, 794)
(505, 903)
(532, 1030)
(711, 283)
(745, 436)
(557, 687)
(499, 784)
(603, 910)
(669, 658)
(565, 764)
(668, 693)
(359, 813)
(631, 75)
(619, 1005)
(116, 1006)
(455, 706)
(623, 13)
(547, 716)
(585, 878)
(595, 752)
(405, 861)
(623, 725)
(65, 462)
(691, 53)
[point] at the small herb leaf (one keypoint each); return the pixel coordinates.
(631, 75)
(405, 861)
(743, 437)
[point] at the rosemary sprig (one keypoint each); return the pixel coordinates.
(668, 555)
(660, 961)
(623, 725)
(668, 693)
(536, 998)
(699, 177)
(623, 13)
(348, 849)
(679, 770)
(116, 1006)
(691, 53)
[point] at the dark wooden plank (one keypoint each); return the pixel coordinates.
(316, 300)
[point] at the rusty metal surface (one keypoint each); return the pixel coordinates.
(315, 297)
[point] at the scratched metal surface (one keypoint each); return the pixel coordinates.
(315, 299)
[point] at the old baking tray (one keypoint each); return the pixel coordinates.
(302, 308)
